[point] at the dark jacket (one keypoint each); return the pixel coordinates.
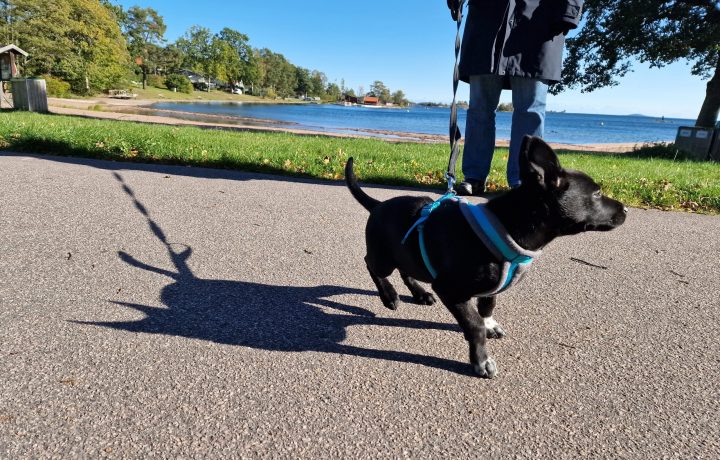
(523, 38)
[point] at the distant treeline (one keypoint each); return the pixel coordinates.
(91, 46)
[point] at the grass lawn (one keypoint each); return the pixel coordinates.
(151, 93)
(215, 95)
(636, 179)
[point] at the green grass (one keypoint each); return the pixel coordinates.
(151, 92)
(638, 179)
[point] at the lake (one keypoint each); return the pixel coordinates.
(569, 128)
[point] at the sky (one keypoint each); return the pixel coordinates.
(408, 45)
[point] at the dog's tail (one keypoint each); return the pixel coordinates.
(363, 198)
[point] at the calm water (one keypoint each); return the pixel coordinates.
(569, 128)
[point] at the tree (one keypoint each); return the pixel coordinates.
(318, 82)
(144, 30)
(197, 47)
(303, 81)
(657, 32)
(169, 60)
(78, 41)
(225, 62)
(279, 74)
(398, 97)
(247, 65)
(381, 91)
(333, 91)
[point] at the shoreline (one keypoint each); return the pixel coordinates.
(131, 110)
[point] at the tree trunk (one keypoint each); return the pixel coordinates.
(711, 105)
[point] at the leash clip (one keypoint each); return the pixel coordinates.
(450, 183)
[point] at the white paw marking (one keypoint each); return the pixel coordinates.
(490, 323)
(487, 368)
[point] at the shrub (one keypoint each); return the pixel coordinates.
(181, 82)
(505, 107)
(156, 80)
(56, 87)
(666, 151)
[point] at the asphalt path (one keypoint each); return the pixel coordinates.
(174, 312)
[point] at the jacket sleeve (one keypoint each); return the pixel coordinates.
(572, 13)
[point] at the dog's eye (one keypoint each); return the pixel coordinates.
(597, 194)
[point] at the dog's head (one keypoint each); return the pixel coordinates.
(575, 202)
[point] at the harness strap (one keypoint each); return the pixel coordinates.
(419, 224)
(514, 259)
(496, 238)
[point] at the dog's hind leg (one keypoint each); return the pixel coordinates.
(485, 306)
(388, 294)
(420, 295)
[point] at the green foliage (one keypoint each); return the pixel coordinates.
(196, 48)
(277, 74)
(95, 45)
(303, 86)
(73, 40)
(333, 92)
(318, 82)
(505, 107)
(144, 29)
(398, 98)
(617, 33)
(244, 67)
(179, 82)
(56, 87)
(381, 91)
(158, 81)
(661, 151)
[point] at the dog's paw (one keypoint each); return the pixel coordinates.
(486, 369)
(392, 304)
(426, 298)
(493, 330)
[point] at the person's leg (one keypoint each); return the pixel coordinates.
(529, 97)
(480, 130)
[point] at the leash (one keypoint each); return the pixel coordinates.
(455, 134)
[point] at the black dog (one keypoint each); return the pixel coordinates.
(550, 202)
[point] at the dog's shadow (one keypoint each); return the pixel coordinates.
(262, 316)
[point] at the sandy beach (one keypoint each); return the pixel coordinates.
(139, 111)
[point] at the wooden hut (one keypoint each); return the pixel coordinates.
(8, 65)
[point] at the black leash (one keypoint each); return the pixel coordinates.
(455, 134)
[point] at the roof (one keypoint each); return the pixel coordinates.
(12, 48)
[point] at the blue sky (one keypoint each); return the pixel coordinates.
(408, 45)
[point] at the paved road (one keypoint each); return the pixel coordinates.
(176, 312)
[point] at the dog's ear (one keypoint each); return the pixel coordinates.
(539, 164)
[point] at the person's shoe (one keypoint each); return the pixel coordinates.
(470, 187)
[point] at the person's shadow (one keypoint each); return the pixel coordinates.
(255, 315)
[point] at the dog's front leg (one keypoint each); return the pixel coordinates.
(485, 306)
(473, 326)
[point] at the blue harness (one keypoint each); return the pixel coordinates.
(515, 260)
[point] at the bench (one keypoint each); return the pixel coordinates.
(121, 94)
